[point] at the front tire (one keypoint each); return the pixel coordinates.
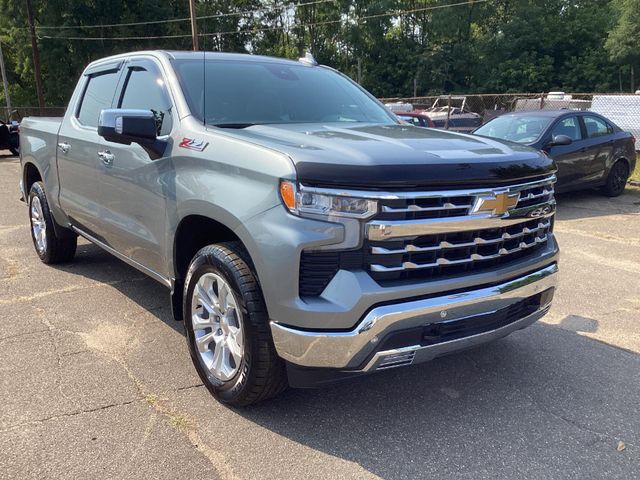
(617, 179)
(227, 328)
(53, 244)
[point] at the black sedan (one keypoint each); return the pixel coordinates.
(589, 150)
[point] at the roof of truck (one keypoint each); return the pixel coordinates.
(187, 54)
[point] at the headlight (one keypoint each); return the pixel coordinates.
(310, 202)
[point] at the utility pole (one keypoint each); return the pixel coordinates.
(194, 25)
(36, 57)
(5, 83)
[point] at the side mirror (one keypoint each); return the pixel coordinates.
(560, 140)
(127, 126)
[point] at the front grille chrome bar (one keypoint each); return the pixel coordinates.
(472, 258)
(448, 245)
(381, 230)
(533, 196)
(417, 208)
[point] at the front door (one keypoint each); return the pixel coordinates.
(133, 187)
(571, 159)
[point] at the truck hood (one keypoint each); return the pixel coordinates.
(397, 156)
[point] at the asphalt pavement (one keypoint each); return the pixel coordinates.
(96, 381)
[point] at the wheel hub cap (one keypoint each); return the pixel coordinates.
(38, 225)
(217, 326)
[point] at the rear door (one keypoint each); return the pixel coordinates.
(573, 159)
(79, 144)
(599, 142)
(134, 188)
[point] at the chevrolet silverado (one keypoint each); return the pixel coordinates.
(306, 235)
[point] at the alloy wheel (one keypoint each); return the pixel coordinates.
(216, 321)
(38, 225)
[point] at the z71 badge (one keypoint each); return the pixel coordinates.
(193, 144)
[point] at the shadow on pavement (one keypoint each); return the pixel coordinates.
(535, 404)
(94, 263)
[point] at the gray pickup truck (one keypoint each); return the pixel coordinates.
(306, 235)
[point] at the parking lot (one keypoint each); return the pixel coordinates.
(96, 380)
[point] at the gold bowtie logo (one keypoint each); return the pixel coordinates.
(497, 204)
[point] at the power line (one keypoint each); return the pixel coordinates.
(186, 19)
(397, 13)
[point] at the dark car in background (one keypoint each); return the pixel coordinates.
(418, 119)
(589, 150)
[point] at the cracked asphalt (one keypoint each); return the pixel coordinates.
(96, 381)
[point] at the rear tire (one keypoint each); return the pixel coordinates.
(617, 179)
(227, 328)
(53, 243)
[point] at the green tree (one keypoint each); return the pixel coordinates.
(622, 43)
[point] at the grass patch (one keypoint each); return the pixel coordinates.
(635, 175)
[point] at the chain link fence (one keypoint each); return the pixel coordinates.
(466, 112)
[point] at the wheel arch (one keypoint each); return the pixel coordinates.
(621, 158)
(194, 231)
(30, 175)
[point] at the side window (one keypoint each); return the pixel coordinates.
(570, 127)
(98, 95)
(145, 90)
(596, 127)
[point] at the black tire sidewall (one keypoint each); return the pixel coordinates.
(611, 189)
(14, 145)
(212, 262)
(37, 190)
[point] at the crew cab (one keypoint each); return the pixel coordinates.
(305, 234)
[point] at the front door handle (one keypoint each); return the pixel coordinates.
(106, 156)
(64, 147)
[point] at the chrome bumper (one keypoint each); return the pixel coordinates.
(357, 349)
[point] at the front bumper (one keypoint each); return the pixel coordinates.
(365, 347)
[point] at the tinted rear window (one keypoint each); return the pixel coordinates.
(97, 96)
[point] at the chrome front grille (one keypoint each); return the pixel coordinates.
(440, 233)
(442, 252)
(458, 203)
(419, 236)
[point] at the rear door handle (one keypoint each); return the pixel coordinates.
(106, 156)
(64, 147)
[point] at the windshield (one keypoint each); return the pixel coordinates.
(236, 93)
(515, 128)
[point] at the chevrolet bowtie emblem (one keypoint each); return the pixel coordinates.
(496, 204)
